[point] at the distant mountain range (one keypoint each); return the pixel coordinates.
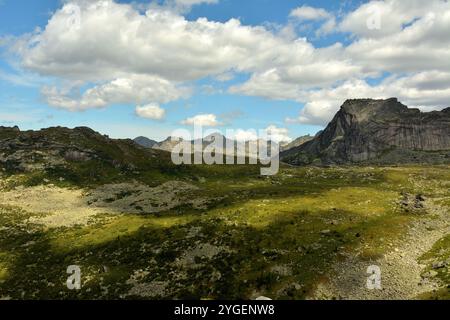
(364, 131)
(145, 142)
(249, 146)
(378, 131)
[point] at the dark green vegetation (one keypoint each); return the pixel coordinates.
(276, 236)
(438, 260)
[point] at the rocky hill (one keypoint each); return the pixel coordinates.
(378, 131)
(296, 143)
(78, 155)
(145, 142)
(250, 147)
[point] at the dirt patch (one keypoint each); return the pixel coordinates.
(139, 198)
(401, 277)
(52, 206)
(55, 207)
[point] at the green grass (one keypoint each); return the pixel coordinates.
(261, 225)
(439, 253)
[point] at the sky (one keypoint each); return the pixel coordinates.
(147, 68)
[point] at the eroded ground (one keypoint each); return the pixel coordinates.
(305, 233)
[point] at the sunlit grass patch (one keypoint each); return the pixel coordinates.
(262, 212)
(3, 266)
(121, 226)
(438, 258)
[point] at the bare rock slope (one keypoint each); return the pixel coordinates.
(378, 131)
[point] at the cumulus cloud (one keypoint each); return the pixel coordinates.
(310, 14)
(288, 82)
(242, 135)
(272, 133)
(111, 41)
(307, 13)
(150, 111)
(123, 54)
(278, 134)
(205, 120)
(136, 89)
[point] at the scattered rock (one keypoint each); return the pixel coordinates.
(439, 265)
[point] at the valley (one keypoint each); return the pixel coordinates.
(307, 233)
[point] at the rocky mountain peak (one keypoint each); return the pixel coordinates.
(378, 130)
(366, 109)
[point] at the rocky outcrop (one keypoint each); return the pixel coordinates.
(224, 145)
(378, 131)
(25, 151)
(296, 143)
(168, 144)
(145, 142)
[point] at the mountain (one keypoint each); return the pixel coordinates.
(79, 156)
(145, 142)
(378, 131)
(168, 144)
(296, 143)
(228, 144)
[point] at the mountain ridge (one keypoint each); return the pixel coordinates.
(384, 131)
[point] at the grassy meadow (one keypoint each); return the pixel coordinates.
(274, 236)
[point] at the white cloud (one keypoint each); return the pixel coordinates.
(321, 105)
(290, 81)
(242, 135)
(278, 134)
(151, 111)
(272, 133)
(307, 13)
(205, 120)
(426, 91)
(224, 77)
(184, 6)
(138, 89)
(422, 46)
(116, 41)
(377, 19)
(124, 55)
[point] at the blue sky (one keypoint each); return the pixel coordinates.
(259, 101)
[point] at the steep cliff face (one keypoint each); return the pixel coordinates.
(384, 131)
